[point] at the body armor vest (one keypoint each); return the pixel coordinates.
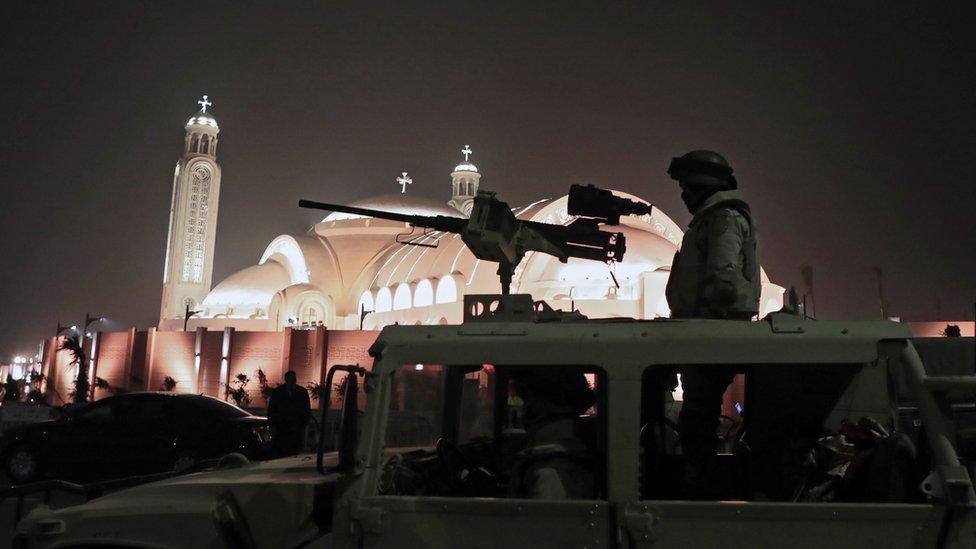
(688, 289)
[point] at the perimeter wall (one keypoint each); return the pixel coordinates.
(203, 361)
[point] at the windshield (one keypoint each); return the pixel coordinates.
(417, 404)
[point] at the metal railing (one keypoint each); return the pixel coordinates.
(950, 478)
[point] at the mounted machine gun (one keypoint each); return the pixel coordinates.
(493, 233)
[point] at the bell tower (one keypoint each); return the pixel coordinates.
(192, 217)
(464, 184)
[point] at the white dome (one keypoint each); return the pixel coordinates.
(254, 286)
(397, 203)
(466, 167)
(203, 119)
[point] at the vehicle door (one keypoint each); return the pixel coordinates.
(84, 446)
(774, 483)
(464, 451)
(145, 438)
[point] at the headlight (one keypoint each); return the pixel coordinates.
(262, 434)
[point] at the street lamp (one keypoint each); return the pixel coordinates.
(362, 315)
(187, 314)
(89, 320)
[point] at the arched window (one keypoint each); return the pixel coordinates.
(401, 299)
(366, 302)
(205, 144)
(423, 295)
(311, 315)
(446, 290)
(384, 300)
(195, 143)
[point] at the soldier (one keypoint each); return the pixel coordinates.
(554, 464)
(714, 275)
(288, 413)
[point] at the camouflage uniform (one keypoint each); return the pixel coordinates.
(714, 275)
(553, 466)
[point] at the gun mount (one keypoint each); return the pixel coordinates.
(493, 233)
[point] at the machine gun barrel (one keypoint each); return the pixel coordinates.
(493, 233)
(437, 222)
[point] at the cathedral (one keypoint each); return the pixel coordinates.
(350, 272)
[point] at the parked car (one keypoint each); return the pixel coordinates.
(132, 434)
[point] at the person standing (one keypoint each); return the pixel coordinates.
(714, 275)
(288, 412)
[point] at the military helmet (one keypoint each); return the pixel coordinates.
(702, 168)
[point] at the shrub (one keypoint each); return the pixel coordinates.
(168, 384)
(238, 393)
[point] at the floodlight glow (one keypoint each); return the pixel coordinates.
(401, 299)
(423, 295)
(366, 301)
(446, 290)
(384, 300)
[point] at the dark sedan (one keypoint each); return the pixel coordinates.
(132, 434)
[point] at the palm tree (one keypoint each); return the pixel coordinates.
(73, 345)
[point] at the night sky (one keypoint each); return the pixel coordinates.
(851, 127)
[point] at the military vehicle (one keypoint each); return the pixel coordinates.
(841, 439)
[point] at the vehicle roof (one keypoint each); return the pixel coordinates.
(166, 394)
(779, 338)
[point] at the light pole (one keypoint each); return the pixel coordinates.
(362, 315)
(89, 320)
(63, 329)
(187, 314)
(90, 366)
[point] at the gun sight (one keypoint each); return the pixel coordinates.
(603, 205)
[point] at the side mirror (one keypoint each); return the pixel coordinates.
(349, 424)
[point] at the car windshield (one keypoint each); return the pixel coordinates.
(218, 408)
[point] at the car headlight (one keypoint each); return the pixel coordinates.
(262, 434)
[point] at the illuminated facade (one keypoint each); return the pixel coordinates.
(349, 271)
(192, 218)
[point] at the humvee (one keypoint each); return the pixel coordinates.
(839, 438)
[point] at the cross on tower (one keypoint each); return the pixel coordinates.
(466, 151)
(204, 103)
(403, 180)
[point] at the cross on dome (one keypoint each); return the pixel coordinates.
(466, 151)
(204, 103)
(403, 180)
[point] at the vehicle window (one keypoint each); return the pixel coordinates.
(217, 409)
(151, 410)
(496, 431)
(98, 412)
(138, 410)
(477, 410)
(415, 406)
(760, 433)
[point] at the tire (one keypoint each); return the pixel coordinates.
(22, 464)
